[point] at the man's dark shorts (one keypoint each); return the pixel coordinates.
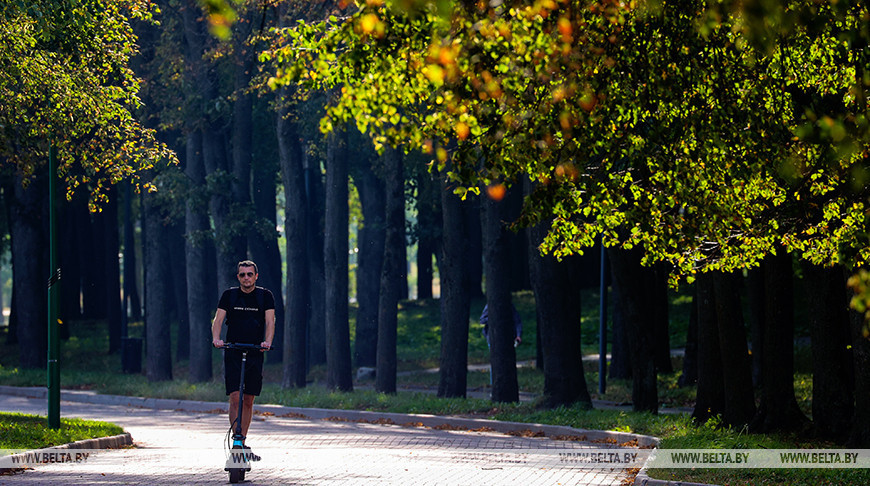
(253, 371)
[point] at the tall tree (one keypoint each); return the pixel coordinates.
(497, 264)
(724, 377)
(778, 409)
(92, 243)
(392, 272)
(29, 230)
(112, 272)
(633, 281)
(338, 358)
(833, 362)
(70, 256)
(80, 52)
(690, 360)
(860, 434)
(630, 144)
(316, 201)
(620, 356)
(179, 307)
(296, 214)
(427, 230)
(371, 237)
(132, 302)
(659, 302)
(455, 298)
(158, 346)
(557, 298)
(263, 240)
(200, 289)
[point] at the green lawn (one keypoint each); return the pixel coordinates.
(21, 431)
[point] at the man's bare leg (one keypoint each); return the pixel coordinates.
(247, 411)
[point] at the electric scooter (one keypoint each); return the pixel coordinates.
(238, 459)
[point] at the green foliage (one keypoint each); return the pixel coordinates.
(708, 134)
(21, 431)
(65, 80)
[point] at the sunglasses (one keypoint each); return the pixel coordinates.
(248, 274)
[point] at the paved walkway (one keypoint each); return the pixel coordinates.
(178, 442)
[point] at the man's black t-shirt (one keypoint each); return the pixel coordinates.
(246, 320)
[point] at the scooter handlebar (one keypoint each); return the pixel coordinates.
(246, 346)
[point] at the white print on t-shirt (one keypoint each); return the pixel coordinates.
(252, 309)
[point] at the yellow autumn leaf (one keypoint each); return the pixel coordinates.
(462, 130)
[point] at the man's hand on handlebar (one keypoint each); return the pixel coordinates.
(217, 342)
(265, 346)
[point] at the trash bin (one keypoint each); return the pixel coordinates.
(131, 355)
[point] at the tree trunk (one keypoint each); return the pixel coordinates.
(659, 305)
(738, 407)
(338, 358)
(425, 250)
(317, 340)
(632, 280)
(28, 226)
(833, 373)
(242, 143)
(178, 305)
(474, 248)
(557, 298)
(131, 287)
(455, 294)
(70, 254)
(201, 295)
(620, 356)
(392, 273)
(229, 245)
(518, 246)
(778, 411)
(690, 359)
(229, 253)
(501, 333)
(296, 214)
(263, 243)
(158, 347)
(403, 276)
(428, 231)
(711, 381)
(112, 274)
(755, 297)
(91, 243)
(371, 236)
(860, 434)
(205, 280)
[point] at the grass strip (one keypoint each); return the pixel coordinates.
(24, 431)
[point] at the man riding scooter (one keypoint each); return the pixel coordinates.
(250, 317)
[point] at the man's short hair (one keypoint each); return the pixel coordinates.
(247, 263)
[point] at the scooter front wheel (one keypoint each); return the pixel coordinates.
(237, 471)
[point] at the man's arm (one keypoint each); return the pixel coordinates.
(270, 329)
(219, 316)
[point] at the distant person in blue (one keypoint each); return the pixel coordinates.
(518, 325)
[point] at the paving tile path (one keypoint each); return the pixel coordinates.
(183, 443)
